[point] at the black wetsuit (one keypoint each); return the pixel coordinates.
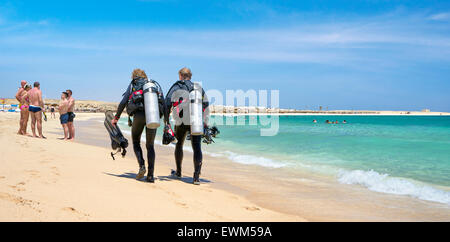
(181, 129)
(139, 123)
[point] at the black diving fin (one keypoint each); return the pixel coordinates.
(118, 142)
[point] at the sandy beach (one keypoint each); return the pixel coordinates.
(271, 112)
(53, 180)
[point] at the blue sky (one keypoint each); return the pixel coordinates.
(390, 55)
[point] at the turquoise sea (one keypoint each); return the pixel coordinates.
(406, 155)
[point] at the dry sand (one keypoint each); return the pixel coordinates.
(54, 180)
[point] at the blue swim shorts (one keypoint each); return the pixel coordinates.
(64, 118)
(34, 109)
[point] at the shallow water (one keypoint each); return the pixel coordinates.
(406, 155)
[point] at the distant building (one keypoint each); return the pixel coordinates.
(426, 110)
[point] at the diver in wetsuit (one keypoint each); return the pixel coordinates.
(133, 100)
(178, 99)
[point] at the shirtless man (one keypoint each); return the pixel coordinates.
(36, 107)
(63, 114)
(70, 125)
(23, 113)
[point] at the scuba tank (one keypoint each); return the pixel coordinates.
(151, 105)
(196, 110)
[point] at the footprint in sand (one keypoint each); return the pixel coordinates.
(55, 171)
(252, 208)
(75, 212)
(45, 158)
(20, 201)
(70, 209)
(184, 205)
(18, 187)
(173, 194)
(2, 177)
(33, 173)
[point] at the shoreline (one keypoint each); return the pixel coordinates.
(316, 197)
(90, 106)
(32, 190)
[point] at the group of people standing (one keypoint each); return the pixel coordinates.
(66, 114)
(31, 105)
(176, 98)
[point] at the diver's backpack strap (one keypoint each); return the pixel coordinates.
(189, 87)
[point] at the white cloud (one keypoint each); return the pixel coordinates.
(380, 41)
(43, 22)
(440, 16)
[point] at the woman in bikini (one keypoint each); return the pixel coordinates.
(24, 108)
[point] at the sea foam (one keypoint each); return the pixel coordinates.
(393, 185)
(249, 159)
(372, 180)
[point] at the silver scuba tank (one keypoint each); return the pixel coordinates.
(196, 110)
(151, 105)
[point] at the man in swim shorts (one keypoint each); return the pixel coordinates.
(36, 107)
(70, 110)
(19, 95)
(63, 114)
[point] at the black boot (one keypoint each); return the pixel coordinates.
(150, 177)
(141, 173)
(197, 172)
(176, 174)
(196, 178)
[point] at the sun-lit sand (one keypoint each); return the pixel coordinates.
(54, 180)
